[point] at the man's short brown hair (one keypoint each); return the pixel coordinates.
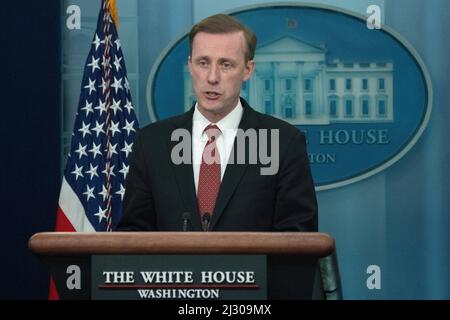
(220, 24)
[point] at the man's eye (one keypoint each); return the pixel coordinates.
(203, 63)
(226, 65)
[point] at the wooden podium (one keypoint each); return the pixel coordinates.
(298, 265)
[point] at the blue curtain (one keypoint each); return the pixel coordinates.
(418, 225)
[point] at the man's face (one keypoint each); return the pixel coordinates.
(218, 68)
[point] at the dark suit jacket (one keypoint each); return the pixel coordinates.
(158, 191)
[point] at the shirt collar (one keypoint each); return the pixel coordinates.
(229, 123)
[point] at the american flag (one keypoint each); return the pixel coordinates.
(93, 185)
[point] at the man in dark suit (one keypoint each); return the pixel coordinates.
(200, 182)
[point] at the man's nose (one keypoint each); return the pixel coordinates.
(213, 74)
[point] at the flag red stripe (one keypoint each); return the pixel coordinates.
(52, 291)
(62, 223)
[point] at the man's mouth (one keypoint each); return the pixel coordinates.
(212, 95)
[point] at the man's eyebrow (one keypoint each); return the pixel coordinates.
(201, 58)
(227, 60)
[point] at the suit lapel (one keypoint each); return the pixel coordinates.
(184, 174)
(233, 172)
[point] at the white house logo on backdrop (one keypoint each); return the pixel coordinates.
(362, 96)
(295, 82)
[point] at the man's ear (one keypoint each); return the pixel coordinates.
(190, 64)
(249, 68)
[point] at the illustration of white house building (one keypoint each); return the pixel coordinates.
(294, 82)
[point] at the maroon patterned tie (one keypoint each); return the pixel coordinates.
(209, 177)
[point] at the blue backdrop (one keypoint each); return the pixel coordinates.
(30, 131)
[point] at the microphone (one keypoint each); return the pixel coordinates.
(186, 219)
(206, 219)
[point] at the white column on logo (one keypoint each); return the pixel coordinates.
(341, 92)
(299, 105)
(321, 109)
(390, 94)
(316, 94)
(276, 89)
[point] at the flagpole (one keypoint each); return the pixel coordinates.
(107, 91)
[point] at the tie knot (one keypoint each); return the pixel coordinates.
(212, 131)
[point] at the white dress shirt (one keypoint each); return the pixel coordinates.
(228, 126)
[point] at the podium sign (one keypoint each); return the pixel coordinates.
(219, 277)
(190, 265)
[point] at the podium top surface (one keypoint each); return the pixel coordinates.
(274, 243)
